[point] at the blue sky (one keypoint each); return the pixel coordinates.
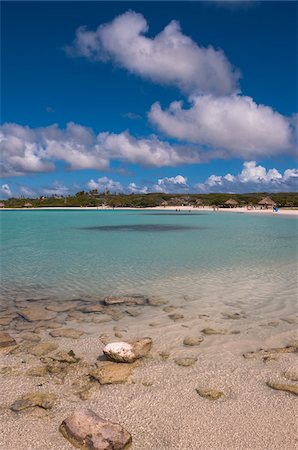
(133, 96)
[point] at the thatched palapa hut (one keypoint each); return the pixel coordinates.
(2, 205)
(266, 203)
(28, 205)
(231, 203)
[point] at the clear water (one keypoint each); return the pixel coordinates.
(205, 255)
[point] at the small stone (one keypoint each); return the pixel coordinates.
(209, 331)
(118, 334)
(232, 316)
(176, 317)
(292, 388)
(63, 307)
(125, 299)
(32, 337)
(36, 314)
(211, 394)
(42, 349)
(6, 340)
(156, 301)
(111, 373)
(192, 340)
(292, 373)
(65, 357)
(128, 352)
(270, 352)
(70, 333)
(38, 371)
(91, 309)
(185, 362)
(164, 355)
(86, 430)
(169, 308)
(133, 312)
(45, 401)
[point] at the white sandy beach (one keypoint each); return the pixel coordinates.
(281, 211)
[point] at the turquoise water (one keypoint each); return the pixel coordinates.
(94, 253)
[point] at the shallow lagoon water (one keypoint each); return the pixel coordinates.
(210, 257)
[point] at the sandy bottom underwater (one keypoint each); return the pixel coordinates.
(158, 404)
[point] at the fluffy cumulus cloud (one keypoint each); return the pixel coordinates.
(170, 57)
(235, 125)
(135, 189)
(25, 150)
(252, 178)
(105, 184)
(6, 191)
(171, 184)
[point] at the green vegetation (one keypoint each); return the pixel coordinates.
(94, 198)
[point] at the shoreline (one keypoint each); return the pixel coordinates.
(281, 211)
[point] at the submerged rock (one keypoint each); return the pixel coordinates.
(64, 357)
(6, 340)
(91, 309)
(209, 331)
(38, 371)
(125, 299)
(156, 301)
(45, 401)
(192, 340)
(112, 373)
(176, 316)
(42, 349)
(185, 362)
(270, 352)
(86, 430)
(211, 394)
(62, 307)
(292, 388)
(70, 333)
(37, 314)
(128, 352)
(32, 337)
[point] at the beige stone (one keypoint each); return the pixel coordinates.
(185, 362)
(42, 349)
(193, 340)
(86, 430)
(31, 400)
(291, 388)
(211, 394)
(111, 373)
(70, 333)
(210, 331)
(36, 313)
(6, 340)
(125, 299)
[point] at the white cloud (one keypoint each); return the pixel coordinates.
(252, 178)
(25, 150)
(170, 57)
(171, 184)
(5, 190)
(236, 125)
(133, 188)
(105, 184)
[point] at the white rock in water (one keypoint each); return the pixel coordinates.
(128, 352)
(120, 351)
